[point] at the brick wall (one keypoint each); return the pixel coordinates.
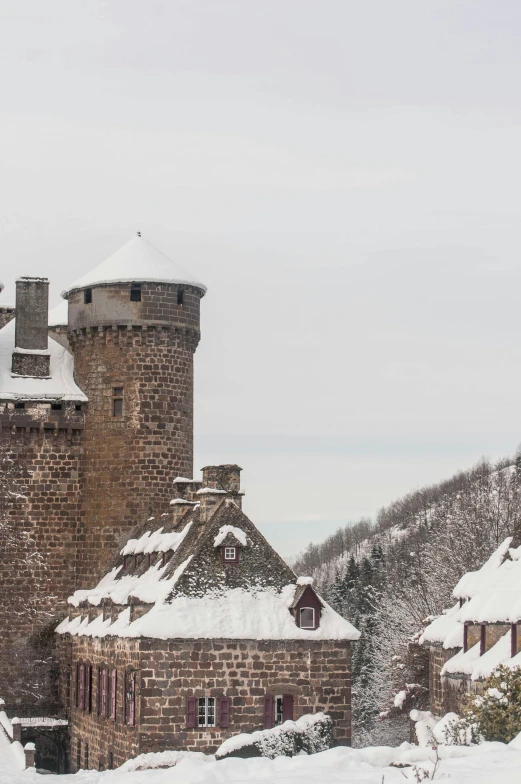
(131, 460)
(317, 674)
(40, 471)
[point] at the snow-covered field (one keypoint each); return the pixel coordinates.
(490, 763)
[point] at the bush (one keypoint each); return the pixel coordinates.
(496, 711)
(310, 733)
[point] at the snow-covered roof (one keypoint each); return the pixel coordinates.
(490, 595)
(235, 614)
(59, 386)
(225, 530)
(59, 315)
(176, 571)
(137, 261)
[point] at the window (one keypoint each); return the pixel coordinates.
(229, 553)
(135, 292)
(81, 688)
(56, 406)
(86, 766)
(180, 296)
(88, 688)
(19, 405)
(117, 402)
(113, 694)
(129, 699)
(206, 712)
(78, 755)
(277, 709)
(307, 618)
(111, 760)
(78, 406)
(105, 692)
(87, 296)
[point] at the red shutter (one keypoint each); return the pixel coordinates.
(105, 693)
(268, 711)
(483, 640)
(82, 687)
(191, 705)
(88, 687)
(287, 707)
(125, 687)
(113, 694)
(513, 640)
(77, 685)
(225, 712)
(98, 692)
(465, 638)
(132, 704)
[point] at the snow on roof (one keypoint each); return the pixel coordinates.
(238, 615)
(224, 530)
(59, 315)
(446, 629)
(138, 260)
(156, 542)
(59, 386)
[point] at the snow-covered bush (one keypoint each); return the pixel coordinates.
(496, 711)
(451, 730)
(310, 734)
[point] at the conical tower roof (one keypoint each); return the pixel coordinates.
(138, 261)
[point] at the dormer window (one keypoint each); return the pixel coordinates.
(230, 553)
(307, 618)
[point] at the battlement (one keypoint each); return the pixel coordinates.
(39, 417)
(132, 335)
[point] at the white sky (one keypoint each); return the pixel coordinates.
(345, 178)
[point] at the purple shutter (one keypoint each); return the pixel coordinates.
(225, 712)
(190, 712)
(105, 693)
(268, 711)
(287, 707)
(132, 704)
(88, 686)
(113, 694)
(82, 687)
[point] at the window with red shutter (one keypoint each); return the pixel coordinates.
(268, 711)
(105, 693)
(88, 687)
(82, 687)
(77, 685)
(287, 707)
(224, 719)
(132, 700)
(113, 694)
(98, 692)
(191, 704)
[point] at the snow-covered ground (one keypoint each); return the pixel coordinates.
(490, 763)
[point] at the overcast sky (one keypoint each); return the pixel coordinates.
(344, 175)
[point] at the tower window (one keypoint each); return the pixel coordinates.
(56, 406)
(135, 292)
(180, 296)
(19, 405)
(117, 402)
(87, 296)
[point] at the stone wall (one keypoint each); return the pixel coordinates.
(316, 674)
(438, 694)
(40, 474)
(132, 459)
(6, 315)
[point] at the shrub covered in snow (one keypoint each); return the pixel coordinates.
(496, 712)
(310, 734)
(451, 730)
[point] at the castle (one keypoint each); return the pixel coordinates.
(138, 604)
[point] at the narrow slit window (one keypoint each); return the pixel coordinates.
(117, 402)
(87, 296)
(180, 296)
(279, 709)
(307, 618)
(135, 292)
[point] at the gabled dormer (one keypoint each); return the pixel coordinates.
(230, 541)
(306, 606)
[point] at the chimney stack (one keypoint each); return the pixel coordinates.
(31, 354)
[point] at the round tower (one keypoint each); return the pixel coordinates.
(133, 327)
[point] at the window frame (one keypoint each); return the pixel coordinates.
(118, 394)
(227, 551)
(314, 624)
(206, 703)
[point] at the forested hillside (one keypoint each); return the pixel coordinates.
(387, 577)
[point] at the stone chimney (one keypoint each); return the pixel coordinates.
(179, 507)
(31, 354)
(221, 481)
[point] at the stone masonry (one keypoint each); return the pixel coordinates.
(315, 673)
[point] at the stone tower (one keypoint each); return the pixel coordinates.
(133, 328)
